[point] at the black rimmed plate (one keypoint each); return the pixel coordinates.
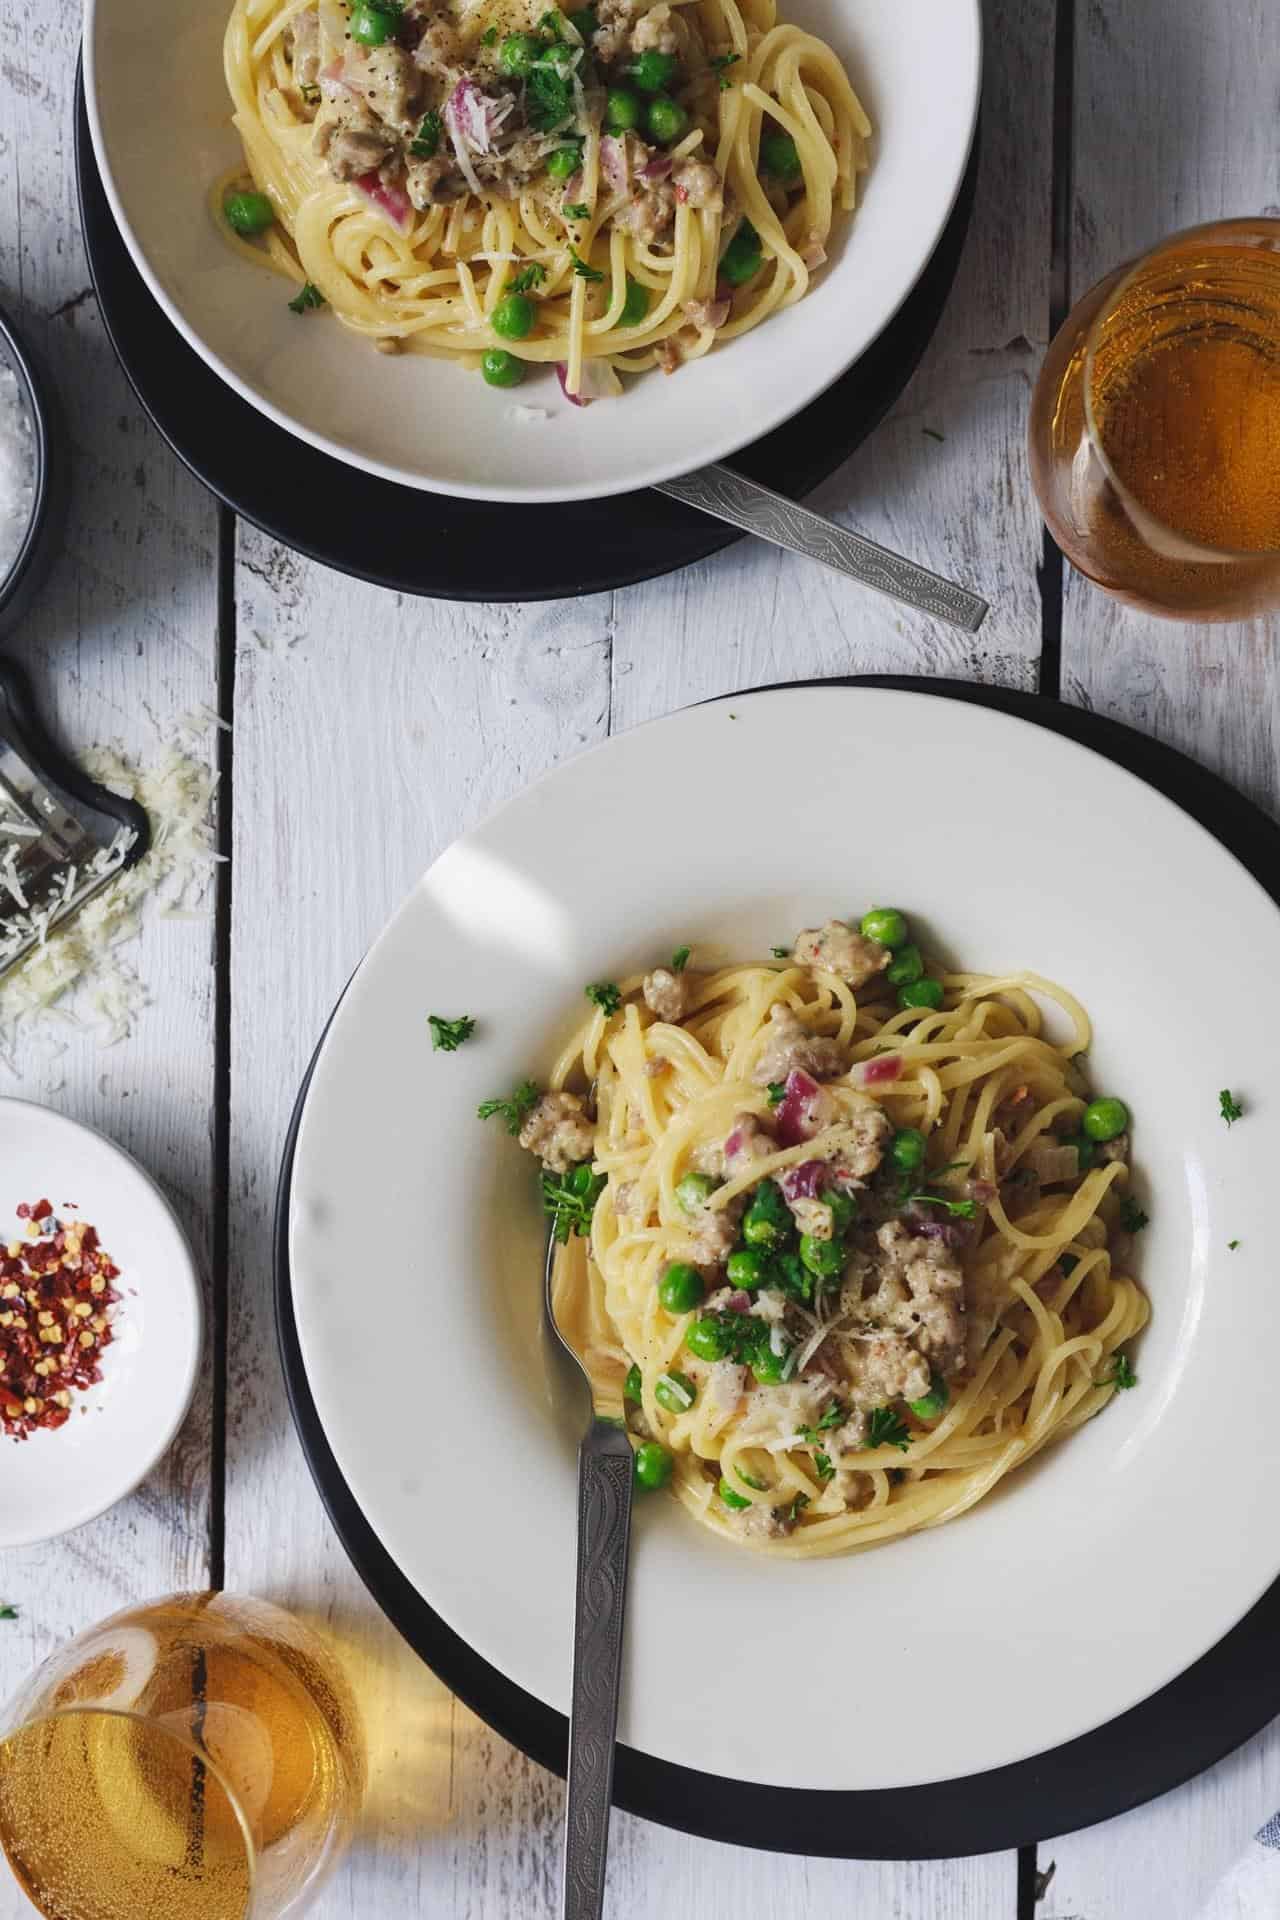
(1186, 1723)
(457, 549)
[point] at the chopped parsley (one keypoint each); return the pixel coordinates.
(605, 995)
(885, 1428)
(513, 1110)
(749, 1480)
(579, 211)
(914, 1191)
(308, 295)
(1121, 1375)
(719, 65)
(746, 1339)
(570, 1198)
(835, 1416)
(489, 37)
(777, 1092)
(448, 1035)
(581, 268)
(680, 959)
(822, 1463)
(1069, 1262)
(932, 433)
(528, 278)
(310, 93)
(897, 1475)
(959, 1209)
(797, 1507)
(780, 953)
(1232, 1245)
(1230, 1106)
(549, 98)
(550, 23)
(11, 1613)
(1132, 1218)
(426, 142)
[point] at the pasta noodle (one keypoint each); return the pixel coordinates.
(1030, 1221)
(411, 256)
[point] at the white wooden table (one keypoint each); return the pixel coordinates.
(369, 729)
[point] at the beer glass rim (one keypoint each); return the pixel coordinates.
(93, 1710)
(1261, 231)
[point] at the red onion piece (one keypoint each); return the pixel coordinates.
(733, 1145)
(806, 1181)
(393, 201)
(562, 375)
(658, 168)
(707, 313)
(615, 165)
(878, 1071)
(802, 1111)
(739, 1302)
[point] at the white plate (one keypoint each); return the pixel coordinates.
(1082, 1585)
(159, 114)
(120, 1428)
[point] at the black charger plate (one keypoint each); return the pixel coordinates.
(1208, 1711)
(454, 549)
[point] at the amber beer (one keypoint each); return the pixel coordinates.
(198, 1759)
(1155, 433)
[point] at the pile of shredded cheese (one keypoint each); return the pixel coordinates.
(79, 974)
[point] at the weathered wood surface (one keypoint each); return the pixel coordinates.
(369, 730)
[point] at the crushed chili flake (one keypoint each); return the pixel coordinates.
(55, 1297)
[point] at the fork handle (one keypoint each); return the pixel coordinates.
(604, 1534)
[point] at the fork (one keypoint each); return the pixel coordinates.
(604, 1537)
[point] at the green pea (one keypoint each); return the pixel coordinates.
(843, 1208)
(788, 1273)
(564, 162)
(585, 21)
(742, 257)
(921, 993)
(636, 304)
(653, 1465)
(502, 369)
(935, 1402)
(676, 1392)
(694, 1191)
(767, 1366)
(622, 110)
(371, 26)
(735, 1502)
(886, 926)
(767, 1221)
(513, 317)
(666, 119)
(779, 157)
(907, 1149)
(631, 1387)
(680, 1288)
(518, 53)
(1104, 1119)
(248, 213)
(905, 968)
(824, 1258)
(651, 71)
(707, 1339)
(746, 1267)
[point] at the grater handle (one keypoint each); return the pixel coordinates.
(22, 729)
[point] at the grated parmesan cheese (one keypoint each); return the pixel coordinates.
(78, 975)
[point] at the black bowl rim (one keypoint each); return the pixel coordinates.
(40, 406)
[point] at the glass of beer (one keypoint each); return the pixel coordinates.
(198, 1758)
(1155, 426)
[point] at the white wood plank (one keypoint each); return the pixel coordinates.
(1174, 109)
(110, 664)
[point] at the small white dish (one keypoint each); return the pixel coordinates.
(120, 1428)
(160, 119)
(1086, 1582)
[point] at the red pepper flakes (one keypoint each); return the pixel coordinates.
(55, 1291)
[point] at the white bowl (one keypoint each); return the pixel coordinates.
(1084, 1583)
(160, 118)
(120, 1428)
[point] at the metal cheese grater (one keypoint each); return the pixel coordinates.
(62, 838)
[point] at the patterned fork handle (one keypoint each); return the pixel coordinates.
(604, 1536)
(744, 503)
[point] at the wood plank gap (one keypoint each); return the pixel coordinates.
(221, 1225)
(1051, 574)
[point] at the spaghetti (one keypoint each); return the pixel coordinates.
(856, 1249)
(488, 181)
